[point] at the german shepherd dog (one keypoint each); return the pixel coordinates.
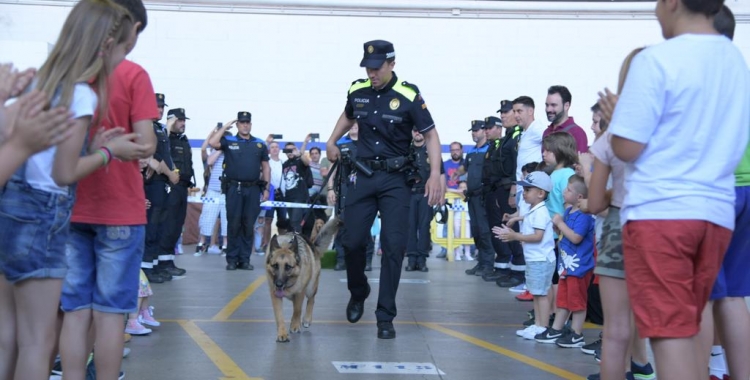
(293, 272)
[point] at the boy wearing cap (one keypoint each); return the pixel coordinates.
(538, 247)
(678, 221)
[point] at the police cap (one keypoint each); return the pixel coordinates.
(476, 125)
(376, 52)
(244, 116)
(179, 113)
(492, 121)
(160, 100)
(505, 106)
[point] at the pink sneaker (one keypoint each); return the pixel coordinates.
(135, 328)
(146, 317)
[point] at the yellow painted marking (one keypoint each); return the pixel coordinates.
(238, 300)
(221, 360)
(514, 325)
(506, 352)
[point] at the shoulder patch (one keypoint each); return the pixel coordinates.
(359, 84)
(409, 91)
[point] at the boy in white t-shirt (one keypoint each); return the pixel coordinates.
(684, 104)
(538, 247)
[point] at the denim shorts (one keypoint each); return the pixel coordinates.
(33, 230)
(539, 277)
(104, 268)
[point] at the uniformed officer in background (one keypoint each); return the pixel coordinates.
(246, 178)
(420, 213)
(158, 176)
(337, 194)
(176, 208)
(498, 181)
(386, 109)
(480, 229)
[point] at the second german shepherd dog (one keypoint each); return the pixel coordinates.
(293, 272)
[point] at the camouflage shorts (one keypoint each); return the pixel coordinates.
(610, 261)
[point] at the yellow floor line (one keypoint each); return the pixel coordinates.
(341, 322)
(238, 300)
(221, 360)
(506, 352)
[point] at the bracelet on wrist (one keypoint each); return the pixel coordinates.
(104, 156)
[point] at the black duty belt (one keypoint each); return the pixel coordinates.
(388, 165)
(243, 183)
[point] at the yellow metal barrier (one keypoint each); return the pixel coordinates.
(450, 242)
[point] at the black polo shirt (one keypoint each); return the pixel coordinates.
(243, 158)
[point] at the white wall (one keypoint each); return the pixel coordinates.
(292, 71)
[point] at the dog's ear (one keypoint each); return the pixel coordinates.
(295, 248)
(272, 248)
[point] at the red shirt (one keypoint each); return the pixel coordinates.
(577, 132)
(113, 195)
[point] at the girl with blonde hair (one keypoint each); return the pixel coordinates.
(36, 203)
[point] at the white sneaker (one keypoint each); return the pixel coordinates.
(469, 258)
(214, 250)
(458, 258)
(518, 289)
(522, 333)
(531, 333)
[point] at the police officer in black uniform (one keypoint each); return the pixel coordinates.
(176, 208)
(498, 179)
(480, 229)
(386, 110)
(246, 177)
(420, 213)
(157, 179)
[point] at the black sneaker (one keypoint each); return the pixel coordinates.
(486, 271)
(474, 270)
(245, 266)
(158, 270)
(598, 355)
(595, 376)
(549, 336)
(153, 277)
(645, 372)
(509, 282)
(590, 348)
(57, 367)
(571, 340)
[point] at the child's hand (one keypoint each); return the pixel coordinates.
(103, 136)
(504, 233)
(557, 219)
(148, 204)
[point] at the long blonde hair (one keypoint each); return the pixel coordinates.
(90, 32)
(626, 67)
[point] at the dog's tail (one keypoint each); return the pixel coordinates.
(326, 235)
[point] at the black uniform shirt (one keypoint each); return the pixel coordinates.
(163, 150)
(386, 117)
(243, 158)
(182, 157)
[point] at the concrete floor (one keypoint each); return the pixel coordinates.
(219, 325)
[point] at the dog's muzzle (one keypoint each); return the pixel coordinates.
(279, 288)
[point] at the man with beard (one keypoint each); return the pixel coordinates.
(176, 207)
(450, 166)
(420, 213)
(557, 106)
(246, 176)
(480, 229)
(158, 177)
(498, 178)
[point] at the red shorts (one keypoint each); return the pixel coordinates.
(573, 292)
(671, 266)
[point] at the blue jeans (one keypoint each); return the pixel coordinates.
(104, 268)
(33, 230)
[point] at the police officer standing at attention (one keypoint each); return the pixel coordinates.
(159, 176)
(498, 179)
(176, 208)
(480, 229)
(386, 110)
(246, 177)
(420, 213)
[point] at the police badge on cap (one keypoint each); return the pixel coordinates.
(376, 52)
(160, 99)
(179, 113)
(244, 116)
(476, 125)
(505, 106)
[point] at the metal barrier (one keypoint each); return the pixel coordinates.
(449, 242)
